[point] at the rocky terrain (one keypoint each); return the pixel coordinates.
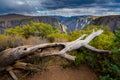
(75, 22)
(13, 20)
(112, 21)
(63, 23)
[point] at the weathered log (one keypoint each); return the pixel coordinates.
(10, 56)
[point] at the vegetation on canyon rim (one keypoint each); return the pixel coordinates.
(106, 65)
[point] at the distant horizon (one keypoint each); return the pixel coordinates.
(54, 15)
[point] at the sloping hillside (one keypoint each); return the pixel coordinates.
(75, 22)
(62, 23)
(13, 20)
(112, 21)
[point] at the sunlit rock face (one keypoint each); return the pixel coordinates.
(62, 23)
(75, 22)
(10, 21)
(112, 21)
(13, 20)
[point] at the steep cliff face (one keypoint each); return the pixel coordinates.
(112, 21)
(62, 23)
(75, 22)
(13, 20)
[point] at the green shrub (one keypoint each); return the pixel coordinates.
(104, 64)
(33, 29)
(57, 36)
(114, 70)
(107, 77)
(98, 62)
(80, 58)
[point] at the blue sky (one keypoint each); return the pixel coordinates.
(60, 7)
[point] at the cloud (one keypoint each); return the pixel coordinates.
(19, 5)
(56, 4)
(81, 11)
(91, 9)
(60, 7)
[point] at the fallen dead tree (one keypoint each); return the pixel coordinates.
(13, 57)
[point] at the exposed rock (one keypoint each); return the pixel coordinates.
(112, 21)
(13, 20)
(75, 22)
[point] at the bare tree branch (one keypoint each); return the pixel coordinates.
(9, 69)
(94, 49)
(10, 56)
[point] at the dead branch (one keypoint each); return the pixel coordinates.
(10, 56)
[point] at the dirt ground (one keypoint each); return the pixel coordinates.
(55, 71)
(59, 73)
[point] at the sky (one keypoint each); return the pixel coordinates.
(60, 7)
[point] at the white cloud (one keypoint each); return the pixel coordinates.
(79, 11)
(20, 2)
(37, 7)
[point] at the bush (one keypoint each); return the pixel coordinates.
(104, 41)
(102, 63)
(99, 62)
(107, 77)
(7, 41)
(79, 59)
(58, 37)
(10, 42)
(33, 29)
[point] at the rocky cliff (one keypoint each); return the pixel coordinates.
(13, 20)
(62, 23)
(112, 21)
(75, 22)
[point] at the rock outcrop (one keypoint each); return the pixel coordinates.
(112, 21)
(13, 20)
(75, 22)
